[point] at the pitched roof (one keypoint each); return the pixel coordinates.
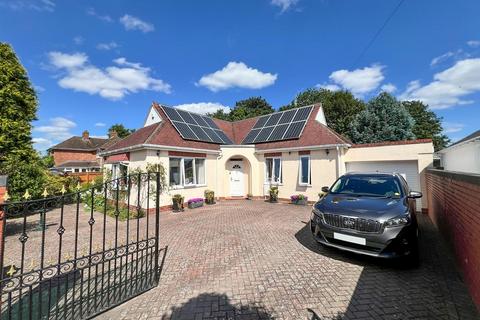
(165, 134)
(471, 136)
(78, 164)
(314, 134)
(79, 143)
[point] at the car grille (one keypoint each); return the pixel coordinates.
(358, 224)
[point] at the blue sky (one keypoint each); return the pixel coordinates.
(98, 63)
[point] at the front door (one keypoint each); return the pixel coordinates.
(236, 179)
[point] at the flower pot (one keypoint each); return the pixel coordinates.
(176, 206)
(301, 202)
(193, 205)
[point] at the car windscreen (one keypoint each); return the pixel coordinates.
(374, 186)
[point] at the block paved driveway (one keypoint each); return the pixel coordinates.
(256, 260)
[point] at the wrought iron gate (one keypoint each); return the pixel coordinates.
(75, 255)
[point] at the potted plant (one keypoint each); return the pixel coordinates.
(209, 197)
(273, 194)
(249, 196)
(299, 199)
(195, 203)
(177, 202)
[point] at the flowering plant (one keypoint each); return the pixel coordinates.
(195, 200)
(297, 197)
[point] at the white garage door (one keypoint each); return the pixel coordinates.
(408, 169)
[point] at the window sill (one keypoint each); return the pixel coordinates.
(305, 185)
(192, 186)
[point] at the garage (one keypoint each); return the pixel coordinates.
(408, 169)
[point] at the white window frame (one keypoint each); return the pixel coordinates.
(182, 184)
(300, 164)
(267, 180)
(115, 172)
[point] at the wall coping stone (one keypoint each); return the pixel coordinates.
(460, 176)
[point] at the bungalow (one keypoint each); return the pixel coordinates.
(294, 150)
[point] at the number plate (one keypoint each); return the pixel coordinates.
(348, 238)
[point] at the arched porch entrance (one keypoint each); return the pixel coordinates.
(238, 180)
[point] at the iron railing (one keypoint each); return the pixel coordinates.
(78, 254)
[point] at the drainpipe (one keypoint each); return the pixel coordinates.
(220, 155)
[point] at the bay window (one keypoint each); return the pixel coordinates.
(305, 174)
(273, 170)
(186, 172)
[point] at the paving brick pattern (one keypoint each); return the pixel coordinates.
(256, 260)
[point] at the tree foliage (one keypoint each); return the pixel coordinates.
(18, 107)
(384, 119)
(427, 124)
(120, 129)
(244, 109)
(340, 107)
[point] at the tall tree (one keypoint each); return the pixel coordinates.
(384, 119)
(427, 124)
(18, 107)
(120, 129)
(340, 107)
(248, 108)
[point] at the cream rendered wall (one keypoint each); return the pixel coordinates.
(252, 167)
(463, 158)
(323, 173)
(421, 152)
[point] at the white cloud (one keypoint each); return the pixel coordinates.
(331, 87)
(134, 23)
(473, 43)
(78, 40)
(39, 89)
(36, 5)
(237, 74)
(107, 46)
(358, 81)
(57, 129)
(100, 124)
(93, 13)
(203, 107)
(284, 4)
(450, 127)
(113, 82)
(449, 87)
(389, 87)
(455, 55)
(42, 143)
(65, 60)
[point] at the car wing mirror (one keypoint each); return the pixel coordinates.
(325, 189)
(415, 194)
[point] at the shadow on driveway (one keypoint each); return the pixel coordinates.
(389, 289)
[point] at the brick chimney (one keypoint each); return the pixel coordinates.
(112, 134)
(85, 135)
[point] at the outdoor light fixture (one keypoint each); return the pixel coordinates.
(158, 153)
(327, 152)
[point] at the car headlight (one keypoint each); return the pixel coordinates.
(317, 215)
(398, 221)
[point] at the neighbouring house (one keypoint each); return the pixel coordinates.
(80, 154)
(463, 155)
(294, 150)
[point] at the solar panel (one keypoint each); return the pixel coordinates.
(279, 126)
(294, 130)
(192, 126)
(261, 121)
(251, 136)
(287, 116)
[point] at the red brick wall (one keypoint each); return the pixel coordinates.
(454, 207)
(60, 156)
